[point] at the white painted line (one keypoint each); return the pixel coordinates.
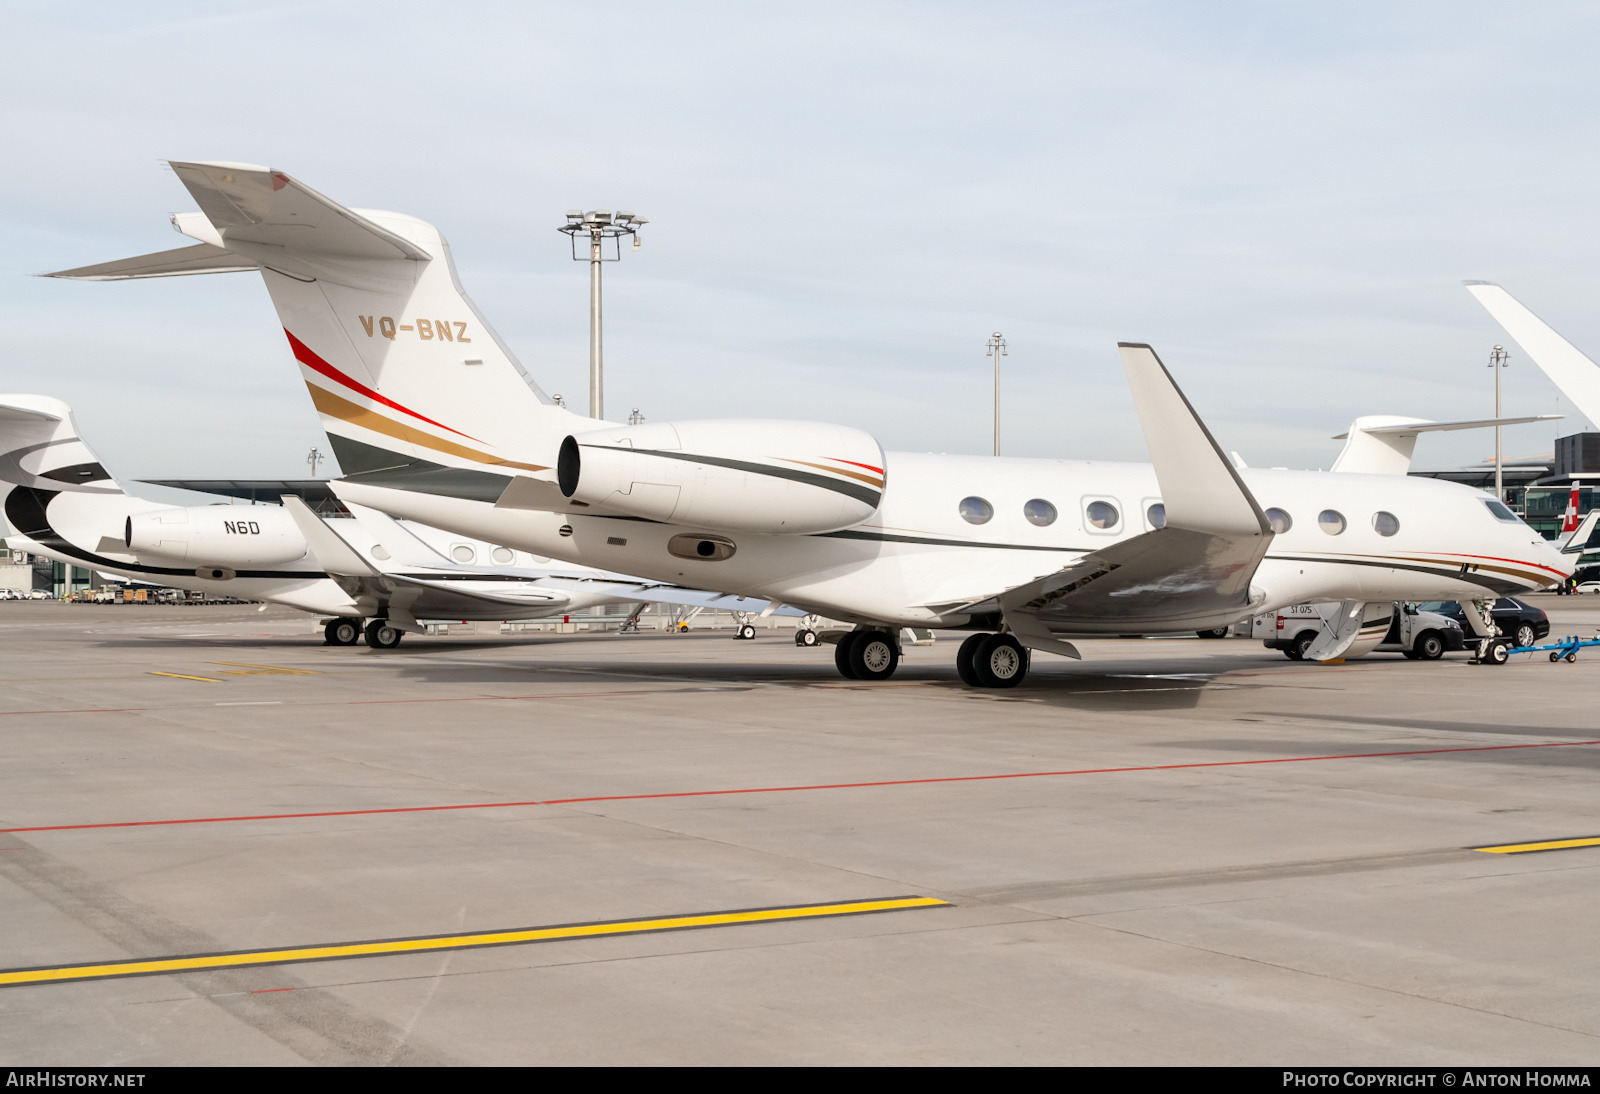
(264, 703)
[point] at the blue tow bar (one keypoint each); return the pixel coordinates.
(1564, 650)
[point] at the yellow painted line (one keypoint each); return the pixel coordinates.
(435, 942)
(1546, 845)
(181, 676)
(262, 670)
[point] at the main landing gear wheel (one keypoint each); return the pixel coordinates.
(342, 632)
(841, 655)
(381, 636)
(965, 656)
(745, 631)
(1001, 662)
(805, 636)
(874, 656)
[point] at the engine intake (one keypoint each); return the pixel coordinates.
(751, 475)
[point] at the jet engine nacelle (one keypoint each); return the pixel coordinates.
(233, 536)
(772, 477)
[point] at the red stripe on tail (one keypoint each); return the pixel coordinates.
(303, 354)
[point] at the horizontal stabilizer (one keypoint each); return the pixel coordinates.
(254, 205)
(1382, 444)
(12, 412)
(1571, 371)
(202, 258)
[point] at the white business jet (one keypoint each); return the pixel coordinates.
(373, 577)
(434, 421)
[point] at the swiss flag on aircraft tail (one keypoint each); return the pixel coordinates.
(1569, 519)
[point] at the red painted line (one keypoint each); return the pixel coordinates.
(493, 698)
(89, 710)
(810, 786)
(266, 991)
(306, 357)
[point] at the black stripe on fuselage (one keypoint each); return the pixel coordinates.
(864, 494)
(889, 537)
(1442, 569)
(25, 511)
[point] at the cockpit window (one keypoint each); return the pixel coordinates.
(1501, 512)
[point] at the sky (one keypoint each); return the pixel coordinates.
(845, 200)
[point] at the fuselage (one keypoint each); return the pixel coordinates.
(917, 561)
(85, 530)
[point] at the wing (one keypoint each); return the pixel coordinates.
(1568, 369)
(406, 599)
(1192, 573)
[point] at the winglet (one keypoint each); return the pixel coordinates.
(332, 553)
(1199, 486)
(1568, 368)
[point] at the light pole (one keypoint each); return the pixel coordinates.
(997, 348)
(598, 226)
(313, 459)
(1498, 359)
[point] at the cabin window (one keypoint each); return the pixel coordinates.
(503, 555)
(1385, 524)
(462, 553)
(1331, 521)
(1102, 515)
(1500, 511)
(1279, 521)
(1040, 512)
(976, 511)
(1156, 515)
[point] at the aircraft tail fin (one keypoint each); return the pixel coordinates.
(40, 449)
(414, 388)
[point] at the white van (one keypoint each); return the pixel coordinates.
(1415, 634)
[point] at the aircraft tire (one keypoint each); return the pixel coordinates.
(342, 632)
(746, 632)
(805, 636)
(1001, 662)
(1498, 652)
(1429, 646)
(381, 636)
(841, 654)
(874, 656)
(966, 657)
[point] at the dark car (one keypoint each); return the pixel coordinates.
(1514, 619)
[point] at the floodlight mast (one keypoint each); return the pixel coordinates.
(597, 226)
(997, 347)
(1498, 359)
